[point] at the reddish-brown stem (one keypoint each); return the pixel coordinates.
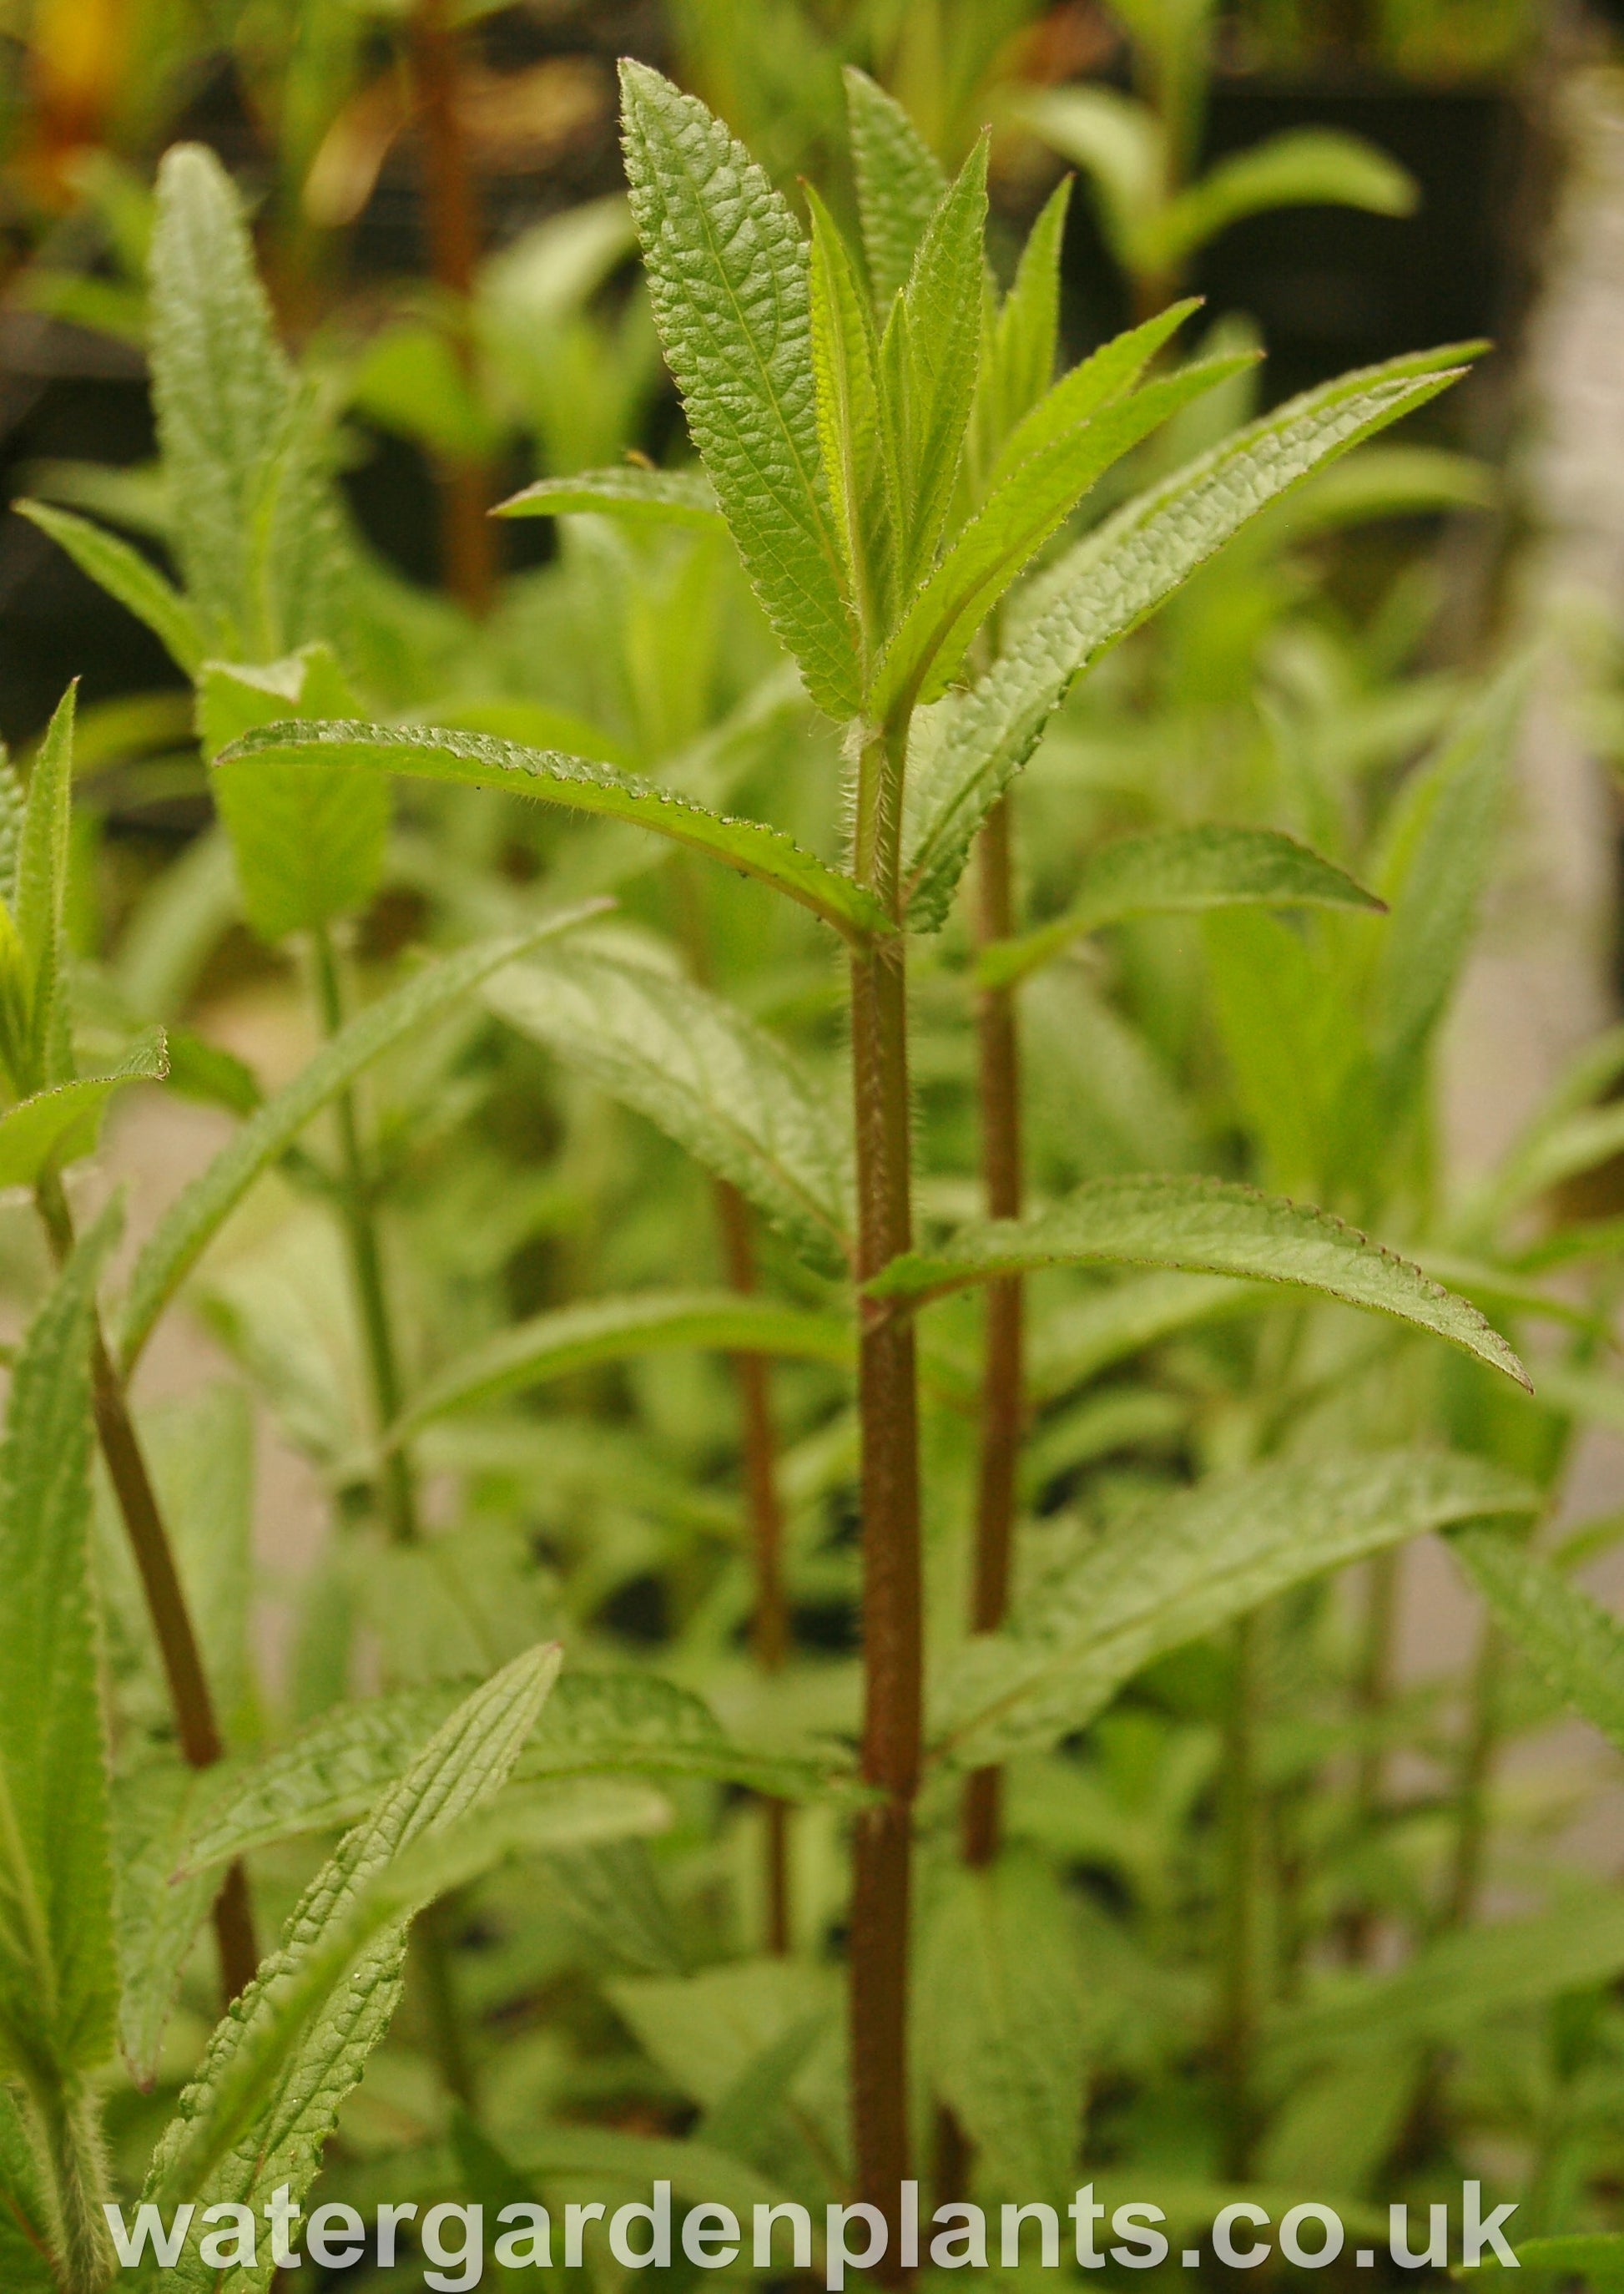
(1002, 1378)
(888, 1411)
(770, 1624)
(467, 538)
(190, 1697)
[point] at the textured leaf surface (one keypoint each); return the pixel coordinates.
(727, 280)
(309, 847)
(197, 1213)
(254, 2119)
(1575, 1644)
(711, 1078)
(58, 1989)
(1183, 1566)
(654, 497)
(1110, 584)
(53, 1127)
(1179, 868)
(1201, 1225)
(610, 1330)
(253, 524)
(44, 837)
(899, 183)
(999, 1982)
(113, 564)
(930, 356)
(159, 1917)
(23, 2266)
(581, 785)
(1030, 501)
(593, 1724)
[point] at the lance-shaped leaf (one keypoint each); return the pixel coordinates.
(113, 564)
(858, 465)
(580, 786)
(309, 847)
(277, 2067)
(900, 184)
(712, 1079)
(253, 525)
(1178, 868)
(59, 1988)
(45, 1055)
(612, 1329)
(1028, 502)
(1311, 167)
(619, 1723)
(1017, 362)
(727, 280)
(197, 1213)
(1575, 1644)
(1202, 1226)
(931, 357)
(1114, 580)
(629, 490)
(1186, 1565)
(56, 1127)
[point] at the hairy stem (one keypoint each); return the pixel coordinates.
(1003, 1379)
(888, 1417)
(84, 2260)
(1239, 1903)
(467, 537)
(190, 1699)
(397, 1489)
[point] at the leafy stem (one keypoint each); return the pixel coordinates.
(189, 1696)
(66, 2115)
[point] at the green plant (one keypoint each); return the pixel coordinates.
(1213, 1000)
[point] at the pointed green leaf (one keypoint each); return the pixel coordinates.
(1201, 1225)
(581, 786)
(1001, 1981)
(1031, 499)
(195, 1216)
(629, 490)
(133, 580)
(1573, 1644)
(932, 358)
(25, 2267)
(277, 2067)
(221, 385)
(1178, 868)
(899, 183)
(1017, 365)
(728, 281)
(1183, 1565)
(610, 1330)
(309, 847)
(850, 425)
(56, 1126)
(1110, 584)
(1099, 381)
(712, 1079)
(59, 1990)
(1310, 166)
